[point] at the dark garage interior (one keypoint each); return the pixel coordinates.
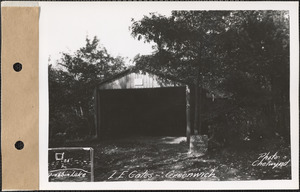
(142, 112)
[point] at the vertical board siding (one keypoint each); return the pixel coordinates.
(130, 81)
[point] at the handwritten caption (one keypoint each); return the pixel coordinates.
(170, 175)
(67, 173)
(270, 160)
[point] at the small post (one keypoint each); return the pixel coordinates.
(92, 164)
(188, 118)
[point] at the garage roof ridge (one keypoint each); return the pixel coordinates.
(134, 69)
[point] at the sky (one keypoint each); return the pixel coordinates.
(64, 27)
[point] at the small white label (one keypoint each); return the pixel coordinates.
(59, 156)
(138, 82)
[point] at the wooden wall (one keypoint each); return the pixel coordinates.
(136, 80)
(141, 103)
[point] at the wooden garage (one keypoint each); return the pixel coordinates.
(137, 102)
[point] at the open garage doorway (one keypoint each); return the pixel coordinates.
(142, 112)
(141, 103)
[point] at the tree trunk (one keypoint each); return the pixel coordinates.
(196, 118)
(198, 92)
(197, 85)
(188, 120)
(200, 108)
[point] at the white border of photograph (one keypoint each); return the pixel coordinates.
(49, 9)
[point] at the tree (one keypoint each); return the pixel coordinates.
(242, 54)
(71, 86)
(256, 61)
(183, 45)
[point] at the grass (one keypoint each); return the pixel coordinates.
(168, 158)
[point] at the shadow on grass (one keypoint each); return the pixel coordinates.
(120, 159)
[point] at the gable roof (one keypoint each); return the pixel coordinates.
(136, 69)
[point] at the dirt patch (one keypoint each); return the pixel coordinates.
(168, 158)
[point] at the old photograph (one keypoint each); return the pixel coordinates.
(168, 94)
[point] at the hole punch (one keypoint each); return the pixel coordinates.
(17, 67)
(19, 145)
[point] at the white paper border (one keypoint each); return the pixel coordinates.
(154, 6)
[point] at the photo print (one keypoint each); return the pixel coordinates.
(171, 94)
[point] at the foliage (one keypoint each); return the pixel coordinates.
(239, 55)
(71, 87)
